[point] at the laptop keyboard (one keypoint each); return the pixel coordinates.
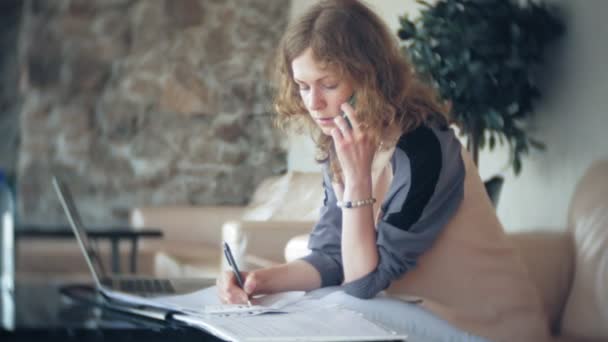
(144, 286)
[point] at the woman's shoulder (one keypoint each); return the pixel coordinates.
(429, 145)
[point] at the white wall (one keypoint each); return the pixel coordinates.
(571, 119)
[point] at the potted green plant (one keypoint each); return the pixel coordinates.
(480, 54)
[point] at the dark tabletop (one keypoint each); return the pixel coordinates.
(74, 312)
(63, 231)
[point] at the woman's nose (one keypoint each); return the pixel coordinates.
(316, 100)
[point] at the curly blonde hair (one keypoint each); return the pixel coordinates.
(350, 37)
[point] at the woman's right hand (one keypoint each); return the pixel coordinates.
(229, 290)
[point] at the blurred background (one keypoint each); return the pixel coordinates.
(137, 103)
(158, 102)
(570, 117)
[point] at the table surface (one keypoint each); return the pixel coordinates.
(43, 311)
(63, 231)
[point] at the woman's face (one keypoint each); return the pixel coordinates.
(322, 89)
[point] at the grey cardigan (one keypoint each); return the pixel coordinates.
(425, 192)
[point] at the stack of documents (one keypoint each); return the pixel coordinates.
(288, 316)
(319, 324)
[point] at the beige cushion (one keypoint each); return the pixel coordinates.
(184, 223)
(193, 235)
(473, 277)
(295, 196)
(171, 265)
(297, 247)
(548, 255)
(586, 311)
(63, 257)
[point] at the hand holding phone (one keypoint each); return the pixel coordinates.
(351, 100)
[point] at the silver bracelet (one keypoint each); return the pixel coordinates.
(356, 204)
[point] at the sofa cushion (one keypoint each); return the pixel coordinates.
(295, 196)
(174, 265)
(548, 255)
(51, 258)
(586, 311)
(473, 276)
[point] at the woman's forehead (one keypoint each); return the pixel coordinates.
(307, 67)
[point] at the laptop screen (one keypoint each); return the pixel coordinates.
(90, 254)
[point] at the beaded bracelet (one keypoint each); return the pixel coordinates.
(356, 204)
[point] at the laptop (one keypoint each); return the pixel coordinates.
(120, 286)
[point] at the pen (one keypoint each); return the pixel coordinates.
(234, 268)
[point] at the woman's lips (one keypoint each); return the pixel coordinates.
(325, 121)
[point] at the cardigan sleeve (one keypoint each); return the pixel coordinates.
(325, 239)
(426, 191)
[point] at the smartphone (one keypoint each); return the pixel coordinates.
(351, 100)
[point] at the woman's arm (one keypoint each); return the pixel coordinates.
(355, 151)
(296, 275)
(359, 250)
(426, 191)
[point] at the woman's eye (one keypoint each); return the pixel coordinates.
(330, 86)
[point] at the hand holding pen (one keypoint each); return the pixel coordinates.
(235, 268)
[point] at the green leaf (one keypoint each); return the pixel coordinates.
(492, 142)
(517, 165)
(495, 120)
(482, 141)
(407, 30)
(481, 54)
(424, 3)
(513, 108)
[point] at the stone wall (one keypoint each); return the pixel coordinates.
(146, 102)
(10, 14)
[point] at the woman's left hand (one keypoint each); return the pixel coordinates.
(354, 148)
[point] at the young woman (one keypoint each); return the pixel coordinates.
(404, 210)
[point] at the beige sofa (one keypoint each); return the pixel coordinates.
(569, 265)
(192, 236)
(281, 207)
(47, 258)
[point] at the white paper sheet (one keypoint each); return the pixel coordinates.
(307, 320)
(322, 315)
(205, 302)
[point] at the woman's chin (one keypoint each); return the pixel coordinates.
(326, 130)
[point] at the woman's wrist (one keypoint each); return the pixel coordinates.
(261, 277)
(357, 189)
(356, 203)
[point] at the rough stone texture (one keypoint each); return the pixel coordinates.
(146, 102)
(9, 99)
